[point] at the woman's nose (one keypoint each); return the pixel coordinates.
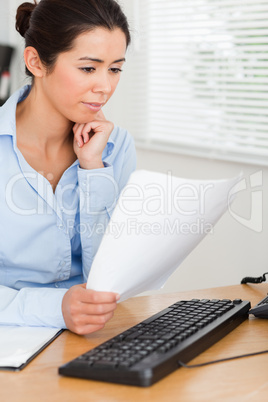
(102, 83)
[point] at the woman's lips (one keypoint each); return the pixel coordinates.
(95, 107)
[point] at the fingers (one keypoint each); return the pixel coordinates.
(86, 311)
(77, 130)
(90, 140)
(94, 297)
(85, 306)
(81, 132)
(95, 320)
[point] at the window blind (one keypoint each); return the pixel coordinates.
(199, 77)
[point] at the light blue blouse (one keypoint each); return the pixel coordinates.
(48, 240)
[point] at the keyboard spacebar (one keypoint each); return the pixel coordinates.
(104, 364)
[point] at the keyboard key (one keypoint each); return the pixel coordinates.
(133, 335)
(104, 364)
(168, 336)
(148, 337)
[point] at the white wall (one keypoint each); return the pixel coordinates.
(233, 250)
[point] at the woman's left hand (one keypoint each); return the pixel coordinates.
(90, 139)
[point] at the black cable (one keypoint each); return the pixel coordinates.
(220, 360)
(250, 279)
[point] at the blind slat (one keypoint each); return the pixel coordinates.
(210, 100)
(181, 136)
(205, 128)
(218, 4)
(211, 93)
(218, 109)
(200, 71)
(212, 77)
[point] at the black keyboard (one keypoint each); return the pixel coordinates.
(149, 351)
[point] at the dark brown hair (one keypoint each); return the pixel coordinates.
(51, 26)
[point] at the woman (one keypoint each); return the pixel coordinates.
(63, 164)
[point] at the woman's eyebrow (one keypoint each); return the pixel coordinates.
(101, 61)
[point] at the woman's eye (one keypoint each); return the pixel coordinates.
(87, 69)
(116, 70)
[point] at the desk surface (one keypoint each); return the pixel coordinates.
(239, 380)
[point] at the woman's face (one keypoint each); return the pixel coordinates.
(84, 78)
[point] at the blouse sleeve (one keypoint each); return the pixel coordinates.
(31, 307)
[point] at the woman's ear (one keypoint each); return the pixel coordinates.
(33, 62)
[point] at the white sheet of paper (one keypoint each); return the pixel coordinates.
(157, 222)
(18, 344)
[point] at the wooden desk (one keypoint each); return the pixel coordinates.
(239, 380)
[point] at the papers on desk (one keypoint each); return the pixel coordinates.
(19, 345)
(157, 222)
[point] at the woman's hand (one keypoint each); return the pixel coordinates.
(85, 311)
(90, 140)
